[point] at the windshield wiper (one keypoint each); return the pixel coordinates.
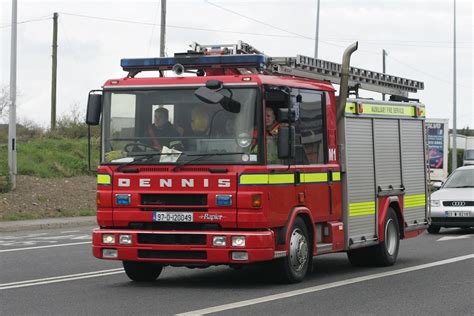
(143, 158)
(204, 156)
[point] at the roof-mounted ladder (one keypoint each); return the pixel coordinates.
(311, 68)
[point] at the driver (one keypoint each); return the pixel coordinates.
(162, 133)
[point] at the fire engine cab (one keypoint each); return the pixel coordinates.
(241, 158)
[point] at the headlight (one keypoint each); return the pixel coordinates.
(125, 239)
(435, 203)
(108, 239)
(238, 241)
(219, 241)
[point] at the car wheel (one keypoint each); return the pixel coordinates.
(293, 268)
(433, 229)
(386, 253)
(142, 271)
(383, 254)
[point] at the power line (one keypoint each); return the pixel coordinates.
(425, 73)
(249, 33)
(153, 29)
(43, 18)
(173, 26)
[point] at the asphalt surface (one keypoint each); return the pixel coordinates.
(52, 272)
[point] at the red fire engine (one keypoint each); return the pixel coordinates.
(190, 176)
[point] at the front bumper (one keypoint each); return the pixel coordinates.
(452, 221)
(439, 217)
(185, 247)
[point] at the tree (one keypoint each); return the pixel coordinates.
(4, 102)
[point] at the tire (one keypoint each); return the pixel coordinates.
(433, 229)
(142, 271)
(384, 254)
(293, 268)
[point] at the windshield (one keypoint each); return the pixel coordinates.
(469, 154)
(461, 179)
(174, 126)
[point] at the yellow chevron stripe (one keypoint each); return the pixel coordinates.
(314, 177)
(104, 179)
(254, 179)
(361, 208)
(415, 200)
(281, 179)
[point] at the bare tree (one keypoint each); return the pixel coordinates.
(4, 101)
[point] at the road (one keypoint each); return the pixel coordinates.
(52, 272)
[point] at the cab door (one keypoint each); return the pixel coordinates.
(311, 155)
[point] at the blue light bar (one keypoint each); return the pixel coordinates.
(193, 62)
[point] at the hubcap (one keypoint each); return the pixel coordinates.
(391, 237)
(298, 250)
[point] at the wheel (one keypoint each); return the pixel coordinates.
(384, 254)
(293, 268)
(433, 229)
(142, 271)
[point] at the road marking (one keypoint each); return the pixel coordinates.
(49, 246)
(63, 278)
(322, 287)
(455, 237)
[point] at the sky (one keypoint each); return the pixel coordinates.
(94, 35)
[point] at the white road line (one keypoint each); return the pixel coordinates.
(49, 246)
(63, 278)
(322, 287)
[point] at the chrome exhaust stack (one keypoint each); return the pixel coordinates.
(344, 85)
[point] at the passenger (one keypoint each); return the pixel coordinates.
(199, 121)
(162, 133)
(271, 124)
(272, 127)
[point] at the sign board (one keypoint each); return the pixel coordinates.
(437, 138)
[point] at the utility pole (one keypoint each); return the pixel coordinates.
(454, 157)
(384, 53)
(54, 71)
(316, 40)
(163, 28)
(12, 110)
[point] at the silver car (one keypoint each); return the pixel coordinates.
(453, 204)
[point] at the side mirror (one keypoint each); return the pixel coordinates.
(436, 185)
(94, 109)
(286, 142)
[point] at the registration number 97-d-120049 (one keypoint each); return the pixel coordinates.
(173, 216)
(458, 213)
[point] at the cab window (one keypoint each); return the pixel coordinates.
(310, 128)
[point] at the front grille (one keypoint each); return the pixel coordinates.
(458, 203)
(168, 209)
(172, 254)
(173, 226)
(174, 199)
(172, 239)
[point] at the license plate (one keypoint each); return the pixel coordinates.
(173, 217)
(457, 213)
